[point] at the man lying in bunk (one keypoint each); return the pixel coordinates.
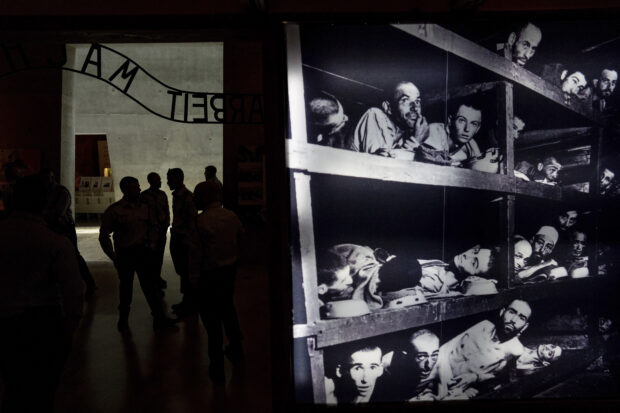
(524, 170)
(571, 82)
(541, 266)
(482, 353)
(460, 274)
(327, 122)
(522, 252)
(395, 129)
(517, 127)
(376, 272)
(355, 376)
(333, 276)
(409, 373)
(521, 44)
(534, 359)
(547, 171)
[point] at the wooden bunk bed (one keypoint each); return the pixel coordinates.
(305, 160)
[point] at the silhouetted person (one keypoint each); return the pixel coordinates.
(135, 240)
(13, 170)
(157, 200)
(215, 252)
(181, 233)
(211, 187)
(58, 215)
(41, 297)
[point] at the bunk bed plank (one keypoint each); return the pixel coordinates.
(326, 160)
(539, 190)
(337, 331)
(550, 136)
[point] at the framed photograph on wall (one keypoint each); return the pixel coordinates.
(447, 189)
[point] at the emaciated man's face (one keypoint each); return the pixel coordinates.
(523, 250)
(526, 44)
(426, 352)
(607, 83)
(542, 245)
(408, 106)
(465, 124)
(515, 318)
(551, 169)
(364, 369)
(517, 127)
(474, 261)
(567, 219)
(549, 352)
(578, 244)
(574, 84)
(606, 177)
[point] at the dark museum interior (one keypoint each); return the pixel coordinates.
(241, 317)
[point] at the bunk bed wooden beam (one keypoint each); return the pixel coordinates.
(337, 331)
(326, 160)
(551, 136)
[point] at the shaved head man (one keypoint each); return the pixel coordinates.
(411, 371)
(522, 44)
(544, 242)
(327, 121)
(397, 126)
(355, 376)
(548, 171)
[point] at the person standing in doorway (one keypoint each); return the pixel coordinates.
(214, 256)
(211, 186)
(135, 240)
(181, 233)
(59, 217)
(157, 200)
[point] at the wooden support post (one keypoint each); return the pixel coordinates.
(306, 242)
(295, 82)
(317, 367)
(507, 229)
(504, 129)
(595, 189)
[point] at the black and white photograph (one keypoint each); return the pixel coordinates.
(452, 198)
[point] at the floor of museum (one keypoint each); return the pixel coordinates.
(165, 371)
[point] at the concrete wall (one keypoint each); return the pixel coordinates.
(140, 142)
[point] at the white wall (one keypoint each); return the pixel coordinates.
(138, 141)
